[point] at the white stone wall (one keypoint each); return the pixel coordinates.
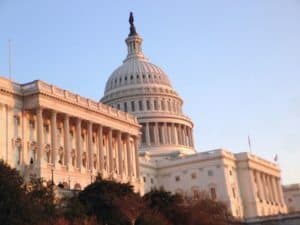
(292, 197)
(52, 133)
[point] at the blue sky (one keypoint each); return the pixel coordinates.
(235, 63)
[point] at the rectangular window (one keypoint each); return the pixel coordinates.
(155, 105)
(177, 178)
(132, 106)
(194, 176)
(213, 193)
(210, 173)
(148, 105)
(141, 108)
(125, 106)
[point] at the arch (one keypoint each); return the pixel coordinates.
(77, 186)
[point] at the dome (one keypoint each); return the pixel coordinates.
(143, 89)
(136, 71)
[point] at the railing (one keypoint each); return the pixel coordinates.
(40, 86)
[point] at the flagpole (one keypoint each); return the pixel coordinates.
(249, 144)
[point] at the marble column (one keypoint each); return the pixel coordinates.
(260, 186)
(66, 140)
(120, 151)
(271, 188)
(273, 183)
(110, 151)
(53, 136)
(156, 135)
(147, 134)
(101, 155)
(136, 157)
(128, 150)
(280, 191)
(165, 133)
(78, 143)
(174, 135)
(39, 118)
(90, 145)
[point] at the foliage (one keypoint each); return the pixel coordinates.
(102, 202)
(106, 200)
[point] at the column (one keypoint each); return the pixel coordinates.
(136, 156)
(120, 151)
(260, 186)
(39, 121)
(165, 133)
(174, 136)
(78, 143)
(101, 155)
(128, 156)
(66, 140)
(147, 134)
(266, 190)
(276, 194)
(90, 145)
(110, 149)
(271, 188)
(280, 191)
(156, 137)
(53, 136)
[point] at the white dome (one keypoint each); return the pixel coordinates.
(136, 71)
(143, 89)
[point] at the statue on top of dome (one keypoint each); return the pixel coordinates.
(132, 27)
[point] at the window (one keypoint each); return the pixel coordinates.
(230, 172)
(125, 106)
(213, 193)
(177, 178)
(118, 106)
(148, 105)
(163, 108)
(155, 105)
(152, 181)
(233, 192)
(210, 173)
(193, 176)
(141, 105)
(144, 179)
(132, 106)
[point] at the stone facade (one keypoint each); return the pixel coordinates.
(139, 135)
(292, 197)
(249, 185)
(58, 135)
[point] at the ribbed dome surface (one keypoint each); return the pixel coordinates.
(136, 71)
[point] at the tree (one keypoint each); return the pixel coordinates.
(207, 212)
(168, 204)
(104, 199)
(14, 207)
(149, 217)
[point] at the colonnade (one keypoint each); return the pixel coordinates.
(80, 145)
(156, 133)
(268, 188)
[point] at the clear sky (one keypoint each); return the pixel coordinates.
(236, 64)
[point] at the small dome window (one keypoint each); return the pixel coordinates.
(120, 80)
(144, 76)
(131, 77)
(126, 78)
(137, 77)
(115, 81)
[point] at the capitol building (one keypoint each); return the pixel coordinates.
(136, 133)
